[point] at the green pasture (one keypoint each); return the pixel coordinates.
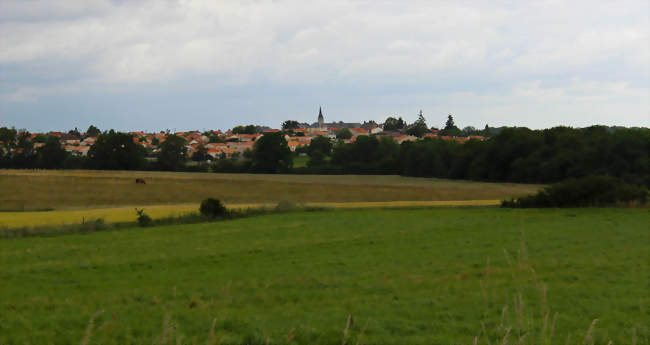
(379, 276)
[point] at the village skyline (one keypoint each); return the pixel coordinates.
(433, 120)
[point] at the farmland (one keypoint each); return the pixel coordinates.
(34, 189)
(77, 196)
(406, 276)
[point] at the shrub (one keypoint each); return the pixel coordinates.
(286, 206)
(143, 218)
(591, 191)
(92, 225)
(213, 208)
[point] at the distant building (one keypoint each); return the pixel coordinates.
(321, 119)
(322, 125)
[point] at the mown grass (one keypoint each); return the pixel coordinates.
(409, 276)
(42, 189)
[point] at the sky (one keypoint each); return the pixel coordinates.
(185, 65)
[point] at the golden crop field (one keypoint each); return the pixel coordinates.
(24, 190)
(127, 214)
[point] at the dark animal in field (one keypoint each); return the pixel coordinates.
(140, 181)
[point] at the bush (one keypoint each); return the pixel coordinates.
(286, 206)
(143, 218)
(591, 191)
(213, 208)
(92, 225)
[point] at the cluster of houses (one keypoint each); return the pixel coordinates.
(220, 144)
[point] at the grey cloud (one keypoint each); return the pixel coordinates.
(588, 51)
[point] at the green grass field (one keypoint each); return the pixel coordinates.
(408, 276)
(48, 189)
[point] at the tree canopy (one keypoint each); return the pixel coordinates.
(116, 151)
(173, 153)
(92, 131)
(393, 124)
(51, 155)
(319, 148)
(450, 128)
(201, 154)
(290, 125)
(250, 129)
(343, 134)
(271, 153)
(419, 127)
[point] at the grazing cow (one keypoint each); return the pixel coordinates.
(140, 181)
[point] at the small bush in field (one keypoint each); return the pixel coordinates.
(213, 208)
(286, 206)
(143, 218)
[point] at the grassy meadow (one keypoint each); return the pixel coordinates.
(374, 276)
(48, 189)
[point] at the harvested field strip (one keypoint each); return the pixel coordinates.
(127, 213)
(33, 190)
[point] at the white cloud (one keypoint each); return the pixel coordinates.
(152, 40)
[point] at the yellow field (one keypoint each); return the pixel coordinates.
(127, 214)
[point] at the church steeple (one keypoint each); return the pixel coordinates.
(321, 119)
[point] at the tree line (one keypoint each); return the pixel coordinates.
(512, 155)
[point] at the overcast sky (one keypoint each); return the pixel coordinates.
(179, 65)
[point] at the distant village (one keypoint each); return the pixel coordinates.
(219, 144)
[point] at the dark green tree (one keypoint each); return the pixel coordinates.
(216, 139)
(24, 154)
(201, 154)
(173, 153)
(51, 155)
(8, 136)
(271, 153)
(92, 131)
(75, 132)
(250, 129)
(470, 130)
(116, 151)
(450, 128)
(319, 148)
(343, 134)
(290, 125)
(321, 144)
(40, 138)
(419, 127)
(392, 124)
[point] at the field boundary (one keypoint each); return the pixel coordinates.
(127, 213)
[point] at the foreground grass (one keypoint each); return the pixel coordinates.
(413, 276)
(42, 189)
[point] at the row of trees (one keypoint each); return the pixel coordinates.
(514, 155)
(111, 151)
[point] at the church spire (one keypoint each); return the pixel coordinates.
(321, 119)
